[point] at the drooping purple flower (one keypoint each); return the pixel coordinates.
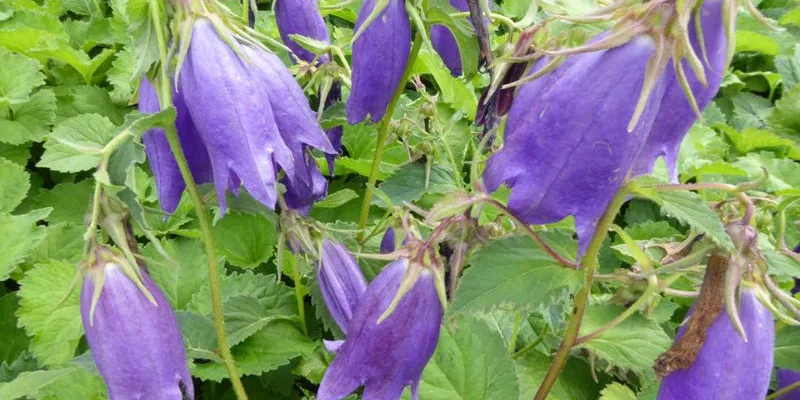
(169, 182)
(137, 345)
(387, 357)
(567, 148)
(341, 282)
(252, 117)
(445, 43)
(727, 367)
(380, 55)
(786, 378)
(676, 116)
(334, 134)
(301, 17)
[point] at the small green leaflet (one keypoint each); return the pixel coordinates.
(18, 77)
(245, 240)
(14, 186)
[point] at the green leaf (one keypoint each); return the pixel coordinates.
(632, 345)
(79, 384)
(453, 90)
(787, 348)
(75, 143)
(70, 201)
(408, 184)
(784, 174)
(514, 271)
(690, 209)
(617, 391)
(246, 315)
(750, 111)
(257, 286)
(14, 340)
(574, 382)
(85, 99)
(14, 186)
(245, 240)
(786, 113)
(31, 120)
(180, 275)
(471, 362)
(16, 154)
(62, 241)
(18, 77)
(271, 347)
(750, 140)
(26, 235)
(753, 41)
(28, 384)
(337, 199)
(55, 326)
(789, 68)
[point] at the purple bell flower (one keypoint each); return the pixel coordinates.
(387, 357)
(727, 367)
(301, 17)
(676, 116)
(169, 182)
(341, 282)
(445, 43)
(567, 148)
(252, 117)
(380, 55)
(137, 345)
(387, 242)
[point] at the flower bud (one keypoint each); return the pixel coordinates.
(340, 281)
(301, 17)
(385, 357)
(135, 339)
(380, 55)
(727, 367)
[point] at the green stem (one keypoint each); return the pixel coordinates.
(383, 135)
(582, 297)
(784, 391)
(298, 295)
(648, 293)
(246, 11)
(165, 94)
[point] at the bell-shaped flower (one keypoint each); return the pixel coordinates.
(445, 43)
(380, 54)
(341, 282)
(567, 147)
(727, 366)
(169, 182)
(384, 357)
(301, 17)
(251, 115)
(676, 115)
(133, 334)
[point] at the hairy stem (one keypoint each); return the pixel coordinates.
(165, 94)
(590, 263)
(383, 135)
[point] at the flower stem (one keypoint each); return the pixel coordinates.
(784, 391)
(165, 94)
(590, 258)
(383, 135)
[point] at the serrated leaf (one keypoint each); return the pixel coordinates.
(79, 384)
(262, 287)
(408, 184)
(70, 201)
(690, 209)
(245, 315)
(617, 391)
(273, 346)
(470, 362)
(784, 174)
(182, 276)
(574, 382)
(245, 240)
(750, 111)
(18, 77)
(16, 154)
(54, 326)
(31, 120)
(632, 345)
(512, 271)
(789, 68)
(74, 142)
(27, 384)
(62, 241)
(14, 186)
(26, 235)
(86, 99)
